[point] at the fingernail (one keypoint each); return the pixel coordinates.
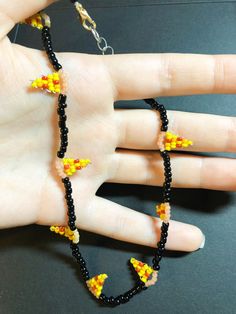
(203, 242)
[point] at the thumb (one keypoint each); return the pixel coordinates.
(14, 11)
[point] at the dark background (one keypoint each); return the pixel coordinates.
(38, 274)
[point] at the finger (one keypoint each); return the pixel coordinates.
(141, 76)
(122, 223)
(104, 217)
(12, 12)
(139, 129)
(188, 171)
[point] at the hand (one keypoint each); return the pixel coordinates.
(120, 143)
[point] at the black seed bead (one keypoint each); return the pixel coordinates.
(157, 259)
(159, 251)
(168, 181)
(164, 239)
(74, 246)
(167, 189)
(164, 125)
(62, 98)
(73, 1)
(164, 226)
(70, 201)
(72, 226)
(53, 61)
(48, 48)
(129, 294)
(161, 108)
(86, 275)
(117, 301)
(139, 286)
(161, 245)
(164, 234)
(52, 55)
(64, 137)
(166, 194)
(63, 105)
(62, 124)
(82, 262)
(63, 147)
(166, 199)
(71, 208)
(121, 298)
(72, 218)
(168, 173)
(71, 223)
(76, 252)
(105, 300)
(164, 154)
(111, 300)
(156, 267)
(163, 114)
(46, 37)
(60, 154)
(57, 66)
(150, 101)
(69, 213)
(167, 164)
(67, 184)
(63, 117)
(68, 196)
(82, 268)
(164, 128)
(126, 298)
(102, 297)
(61, 111)
(69, 190)
(65, 180)
(65, 130)
(134, 290)
(64, 143)
(45, 29)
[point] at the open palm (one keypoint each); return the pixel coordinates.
(120, 143)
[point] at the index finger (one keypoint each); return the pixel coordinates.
(140, 76)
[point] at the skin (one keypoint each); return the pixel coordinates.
(118, 142)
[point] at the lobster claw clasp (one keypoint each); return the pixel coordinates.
(85, 17)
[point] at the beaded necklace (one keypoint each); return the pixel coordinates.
(56, 83)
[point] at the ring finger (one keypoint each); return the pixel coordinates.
(139, 129)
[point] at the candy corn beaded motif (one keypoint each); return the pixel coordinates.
(50, 83)
(168, 141)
